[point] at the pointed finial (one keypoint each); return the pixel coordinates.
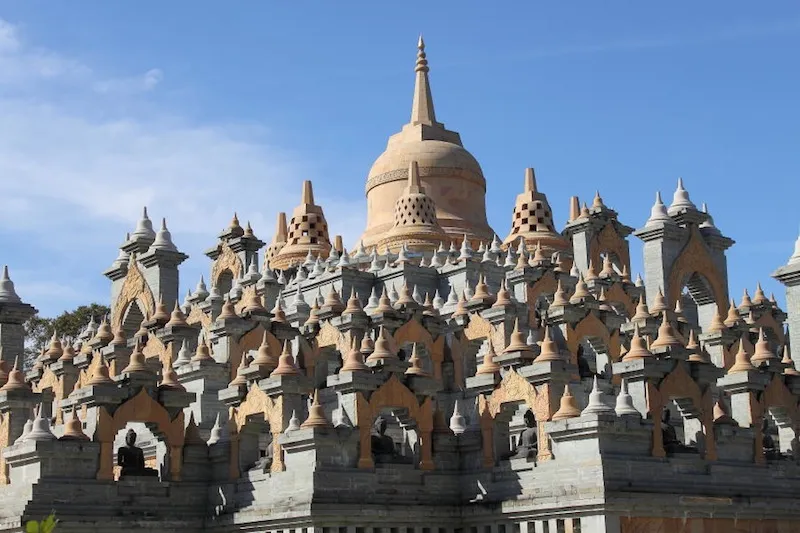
(530, 180)
(422, 107)
(308, 193)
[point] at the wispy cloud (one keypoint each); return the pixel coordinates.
(711, 36)
(72, 184)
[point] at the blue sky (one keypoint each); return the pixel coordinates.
(199, 110)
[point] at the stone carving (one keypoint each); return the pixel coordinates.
(198, 317)
(227, 260)
(134, 288)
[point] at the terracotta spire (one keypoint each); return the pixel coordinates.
(568, 407)
(533, 218)
(742, 362)
(73, 429)
(422, 107)
(489, 365)
(316, 415)
(15, 380)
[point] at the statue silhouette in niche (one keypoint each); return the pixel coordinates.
(383, 448)
(265, 461)
(528, 440)
(131, 458)
(669, 437)
(771, 450)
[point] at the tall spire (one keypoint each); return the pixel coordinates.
(422, 108)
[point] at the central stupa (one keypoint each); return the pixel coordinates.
(451, 176)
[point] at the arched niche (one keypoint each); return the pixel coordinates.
(616, 295)
(227, 267)
(225, 281)
(152, 443)
(393, 394)
(140, 408)
(132, 319)
(514, 389)
(695, 269)
(781, 405)
(545, 286)
(251, 341)
(694, 407)
(593, 335)
(413, 332)
(258, 405)
(134, 289)
(608, 242)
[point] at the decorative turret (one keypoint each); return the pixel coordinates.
(533, 218)
(789, 275)
(13, 314)
(415, 223)
(451, 176)
(278, 240)
(308, 232)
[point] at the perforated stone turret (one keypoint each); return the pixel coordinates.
(415, 222)
(533, 218)
(308, 232)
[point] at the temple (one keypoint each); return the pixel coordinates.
(436, 377)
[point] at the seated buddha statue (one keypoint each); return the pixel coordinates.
(527, 443)
(669, 436)
(383, 449)
(131, 459)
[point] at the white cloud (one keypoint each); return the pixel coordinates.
(72, 184)
(135, 84)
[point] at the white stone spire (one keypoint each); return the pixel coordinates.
(7, 291)
(658, 213)
(680, 199)
(795, 259)
(144, 228)
(596, 404)
(624, 405)
(163, 240)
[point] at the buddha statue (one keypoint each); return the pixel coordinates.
(383, 449)
(527, 442)
(264, 461)
(131, 459)
(669, 437)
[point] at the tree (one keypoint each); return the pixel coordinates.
(68, 325)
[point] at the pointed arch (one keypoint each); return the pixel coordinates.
(394, 394)
(695, 260)
(590, 326)
(134, 289)
(606, 241)
(257, 402)
(140, 408)
(227, 263)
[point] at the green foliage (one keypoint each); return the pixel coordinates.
(48, 525)
(68, 325)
